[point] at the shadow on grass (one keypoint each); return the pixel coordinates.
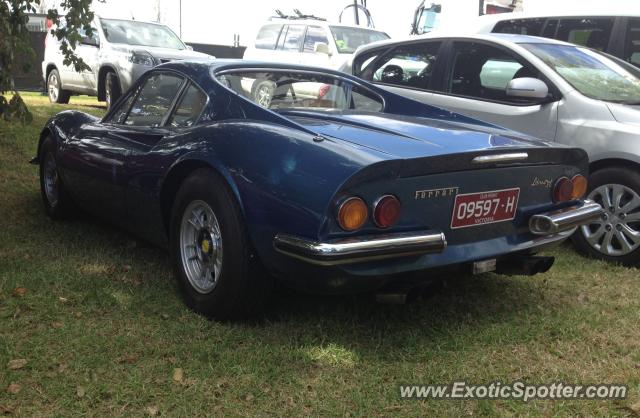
(460, 305)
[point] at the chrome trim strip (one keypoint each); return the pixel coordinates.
(565, 219)
(500, 158)
(360, 249)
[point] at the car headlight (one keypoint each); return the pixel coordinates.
(142, 58)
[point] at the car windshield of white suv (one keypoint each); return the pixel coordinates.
(592, 73)
(140, 33)
(349, 39)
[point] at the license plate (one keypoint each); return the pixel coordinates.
(483, 208)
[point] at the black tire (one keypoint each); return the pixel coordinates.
(614, 218)
(112, 89)
(54, 89)
(241, 288)
(262, 92)
(57, 205)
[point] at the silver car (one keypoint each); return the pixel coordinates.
(549, 89)
(118, 52)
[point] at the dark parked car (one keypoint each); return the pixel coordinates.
(338, 192)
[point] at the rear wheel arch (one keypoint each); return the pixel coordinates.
(613, 163)
(46, 133)
(176, 176)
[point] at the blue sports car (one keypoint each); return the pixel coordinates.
(249, 172)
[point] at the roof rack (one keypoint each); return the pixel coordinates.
(298, 16)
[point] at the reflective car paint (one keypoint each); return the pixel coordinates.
(289, 170)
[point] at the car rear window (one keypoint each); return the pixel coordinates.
(288, 89)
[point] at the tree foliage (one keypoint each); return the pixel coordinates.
(14, 39)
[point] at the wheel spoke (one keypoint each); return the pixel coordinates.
(624, 243)
(632, 235)
(634, 217)
(606, 247)
(596, 236)
(617, 193)
(632, 205)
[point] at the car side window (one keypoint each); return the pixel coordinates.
(632, 47)
(315, 35)
(531, 27)
(549, 30)
(119, 115)
(189, 108)
(293, 38)
(407, 66)
(268, 37)
(590, 32)
(154, 100)
(483, 71)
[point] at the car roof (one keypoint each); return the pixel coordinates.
(500, 38)
(316, 22)
(194, 67)
(611, 11)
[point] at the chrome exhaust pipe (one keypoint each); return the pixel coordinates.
(565, 219)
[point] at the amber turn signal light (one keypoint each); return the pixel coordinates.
(386, 211)
(562, 190)
(352, 214)
(579, 186)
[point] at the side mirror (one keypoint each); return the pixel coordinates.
(321, 48)
(91, 41)
(189, 47)
(527, 88)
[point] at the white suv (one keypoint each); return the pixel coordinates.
(117, 53)
(311, 41)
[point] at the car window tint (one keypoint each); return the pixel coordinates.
(120, 113)
(409, 65)
(590, 32)
(189, 109)
(531, 27)
(632, 48)
(483, 71)
(268, 36)
(293, 38)
(315, 35)
(281, 90)
(154, 100)
(549, 30)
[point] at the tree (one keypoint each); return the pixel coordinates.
(14, 37)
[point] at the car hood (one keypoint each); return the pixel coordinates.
(408, 136)
(625, 113)
(170, 54)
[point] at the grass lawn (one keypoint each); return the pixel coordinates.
(99, 320)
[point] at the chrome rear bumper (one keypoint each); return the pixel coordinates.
(565, 219)
(359, 249)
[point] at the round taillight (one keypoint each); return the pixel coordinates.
(562, 190)
(352, 214)
(386, 211)
(579, 186)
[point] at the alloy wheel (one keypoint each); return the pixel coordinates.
(201, 246)
(617, 233)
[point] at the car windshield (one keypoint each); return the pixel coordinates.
(139, 33)
(285, 89)
(592, 73)
(349, 39)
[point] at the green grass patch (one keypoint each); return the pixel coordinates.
(102, 327)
